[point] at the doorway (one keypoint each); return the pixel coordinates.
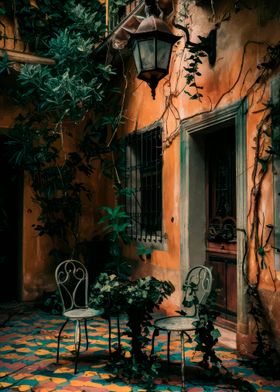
(220, 196)
(10, 226)
(213, 224)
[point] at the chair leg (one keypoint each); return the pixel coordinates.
(58, 340)
(183, 361)
(77, 343)
(168, 349)
(86, 332)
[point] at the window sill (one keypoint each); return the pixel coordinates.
(153, 243)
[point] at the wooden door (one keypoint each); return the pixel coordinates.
(221, 218)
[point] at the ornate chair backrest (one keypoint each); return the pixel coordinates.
(72, 280)
(197, 287)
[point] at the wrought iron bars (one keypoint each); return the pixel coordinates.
(144, 177)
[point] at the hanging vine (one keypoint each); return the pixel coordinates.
(266, 146)
(267, 359)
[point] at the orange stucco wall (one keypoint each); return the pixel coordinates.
(36, 274)
(241, 45)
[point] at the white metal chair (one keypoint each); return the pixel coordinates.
(72, 281)
(197, 287)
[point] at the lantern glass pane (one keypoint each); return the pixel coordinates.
(163, 54)
(147, 53)
(136, 56)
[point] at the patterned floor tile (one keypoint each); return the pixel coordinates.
(28, 353)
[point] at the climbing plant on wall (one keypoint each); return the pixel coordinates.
(252, 85)
(59, 101)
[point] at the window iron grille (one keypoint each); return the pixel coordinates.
(9, 38)
(144, 178)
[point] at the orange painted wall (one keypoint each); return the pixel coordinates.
(37, 273)
(141, 111)
(241, 45)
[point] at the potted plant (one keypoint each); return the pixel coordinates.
(137, 299)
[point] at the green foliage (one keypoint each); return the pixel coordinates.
(141, 372)
(192, 72)
(197, 52)
(30, 146)
(39, 24)
(116, 5)
(77, 82)
(116, 221)
(88, 18)
(4, 61)
(54, 182)
(206, 338)
(66, 32)
(267, 359)
(106, 293)
(206, 334)
(70, 87)
(142, 250)
(138, 299)
(51, 303)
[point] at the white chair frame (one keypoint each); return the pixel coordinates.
(72, 281)
(197, 287)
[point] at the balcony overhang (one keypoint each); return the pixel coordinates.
(118, 38)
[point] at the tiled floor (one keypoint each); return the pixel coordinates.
(28, 349)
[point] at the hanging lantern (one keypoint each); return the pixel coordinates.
(152, 46)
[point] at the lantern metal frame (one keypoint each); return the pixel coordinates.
(153, 29)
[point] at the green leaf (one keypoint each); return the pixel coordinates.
(215, 334)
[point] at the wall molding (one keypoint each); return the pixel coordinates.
(192, 131)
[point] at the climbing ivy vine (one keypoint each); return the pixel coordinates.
(265, 147)
(60, 101)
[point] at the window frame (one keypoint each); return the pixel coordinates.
(137, 159)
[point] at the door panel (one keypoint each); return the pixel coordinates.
(224, 276)
(221, 218)
(219, 273)
(231, 287)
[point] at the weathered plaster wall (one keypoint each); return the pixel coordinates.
(241, 45)
(141, 111)
(36, 273)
